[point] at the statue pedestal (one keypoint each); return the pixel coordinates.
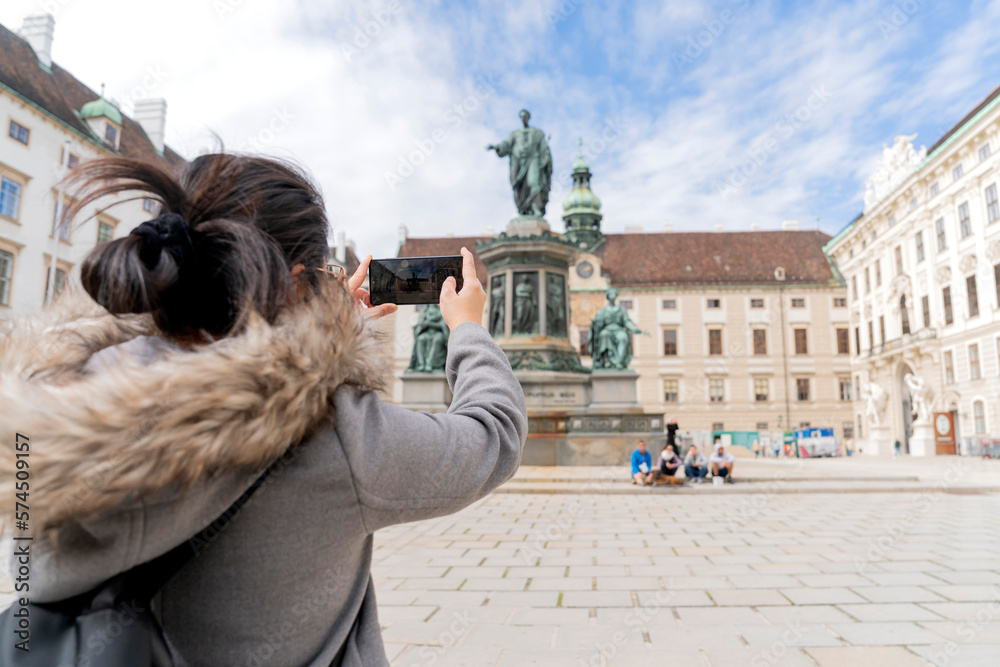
(613, 392)
(922, 440)
(527, 225)
(879, 443)
(426, 391)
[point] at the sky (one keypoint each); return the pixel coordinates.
(691, 113)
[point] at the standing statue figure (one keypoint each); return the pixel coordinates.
(530, 167)
(920, 397)
(498, 299)
(430, 342)
(610, 343)
(875, 402)
(555, 304)
(525, 307)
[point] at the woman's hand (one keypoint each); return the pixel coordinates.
(467, 305)
(364, 298)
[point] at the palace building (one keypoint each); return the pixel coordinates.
(748, 331)
(922, 265)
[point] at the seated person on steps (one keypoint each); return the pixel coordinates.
(695, 465)
(722, 463)
(669, 464)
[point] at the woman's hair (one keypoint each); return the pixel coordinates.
(229, 230)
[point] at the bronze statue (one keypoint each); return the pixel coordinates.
(610, 342)
(555, 304)
(498, 304)
(530, 167)
(525, 307)
(430, 342)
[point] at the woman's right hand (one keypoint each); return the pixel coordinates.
(467, 305)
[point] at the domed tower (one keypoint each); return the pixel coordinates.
(582, 208)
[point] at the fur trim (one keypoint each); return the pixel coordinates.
(98, 440)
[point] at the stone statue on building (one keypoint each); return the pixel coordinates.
(430, 342)
(610, 342)
(920, 398)
(530, 167)
(525, 307)
(875, 402)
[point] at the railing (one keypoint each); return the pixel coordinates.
(980, 445)
(899, 344)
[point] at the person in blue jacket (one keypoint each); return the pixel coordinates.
(642, 466)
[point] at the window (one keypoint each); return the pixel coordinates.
(760, 341)
(949, 368)
(904, 316)
(868, 281)
(584, 342)
(715, 341)
(760, 389)
(717, 426)
(925, 306)
(964, 224)
(19, 132)
(996, 281)
(934, 189)
(104, 232)
(913, 204)
(871, 335)
(756, 303)
(984, 152)
(881, 329)
(992, 208)
(942, 240)
(979, 410)
(761, 426)
(843, 347)
(71, 162)
(946, 297)
(857, 386)
(845, 388)
(848, 429)
(802, 388)
(919, 238)
(6, 276)
(626, 304)
(854, 286)
(110, 134)
(714, 303)
(60, 282)
(803, 424)
(957, 172)
(669, 304)
(670, 390)
(898, 255)
(715, 390)
(10, 198)
(839, 302)
(878, 273)
(970, 288)
(148, 205)
(857, 340)
(975, 372)
(892, 220)
(798, 303)
(801, 342)
(670, 342)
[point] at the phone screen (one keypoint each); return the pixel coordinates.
(412, 280)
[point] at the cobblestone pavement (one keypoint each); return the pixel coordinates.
(757, 579)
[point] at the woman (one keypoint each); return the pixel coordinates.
(669, 464)
(219, 346)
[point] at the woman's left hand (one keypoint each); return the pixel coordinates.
(363, 297)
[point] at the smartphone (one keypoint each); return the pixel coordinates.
(412, 280)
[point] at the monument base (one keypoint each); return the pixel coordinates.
(922, 440)
(613, 392)
(426, 391)
(879, 443)
(527, 225)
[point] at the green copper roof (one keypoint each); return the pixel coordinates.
(101, 107)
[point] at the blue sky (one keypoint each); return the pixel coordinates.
(697, 113)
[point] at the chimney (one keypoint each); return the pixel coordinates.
(38, 30)
(668, 227)
(403, 233)
(341, 247)
(151, 114)
(633, 229)
(719, 228)
(754, 226)
(790, 225)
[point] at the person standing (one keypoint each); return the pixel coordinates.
(642, 465)
(756, 448)
(895, 449)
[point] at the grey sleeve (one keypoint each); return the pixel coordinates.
(415, 465)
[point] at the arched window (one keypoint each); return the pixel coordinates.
(904, 314)
(979, 412)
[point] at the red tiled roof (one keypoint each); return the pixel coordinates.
(685, 258)
(60, 94)
(445, 245)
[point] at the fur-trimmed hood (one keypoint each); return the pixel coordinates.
(97, 440)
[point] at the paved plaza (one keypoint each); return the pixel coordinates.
(749, 577)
